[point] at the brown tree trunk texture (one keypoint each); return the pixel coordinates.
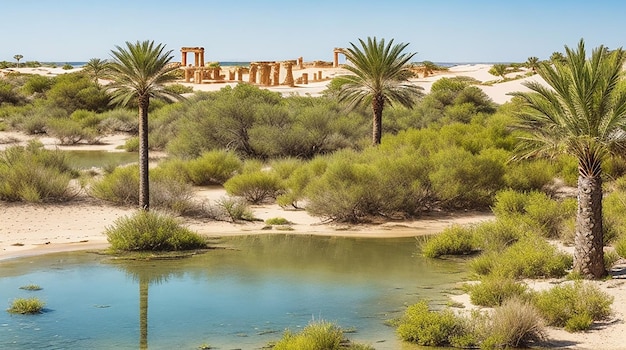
(588, 250)
(144, 182)
(378, 103)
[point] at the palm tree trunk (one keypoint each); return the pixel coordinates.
(144, 183)
(588, 252)
(378, 103)
(144, 284)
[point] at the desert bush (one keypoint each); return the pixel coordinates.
(132, 144)
(34, 125)
(431, 328)
(278, 221)
(173, 196)
(31, 287)
(37, 84)
(572, 305)
(120, 187)
(536, 210)
(516, 323)
(178, 89)
(34, 174)
(26, 306)
(620, 246)
(119, 120)
(255, 187)
(298, 180)
(70, 132)
(151, 231)
(454, 240)
(494, 291)
(462, 180)
(497, 235)
(530, 257)
(524, 176)
(214, 167)
(316, 336)
(235, 209)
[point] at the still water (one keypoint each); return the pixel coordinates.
(89, 159)
(241, 297)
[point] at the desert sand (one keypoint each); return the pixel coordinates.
(29, 229)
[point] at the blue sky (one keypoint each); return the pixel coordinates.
(248, 30)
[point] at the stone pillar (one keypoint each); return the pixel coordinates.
(197, 77)
(265, 74)
(239, 74)
(276, 74)
(335, 58)
(305, 78)
(188, 73)
(202, 58)
(319, 75)
(184, 58)
(300, 62)
(252, 76)
(231, 75)
(289, 78)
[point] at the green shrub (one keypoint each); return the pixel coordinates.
(454, 240)
(256, 187)
(431, 328)
(150, 231)
(278, 221)
(317, 336)
(26, 306)
(34, 174)
(70, 132)
(120, 187)
(494, 291)
(515, 324)
(214, 167)
(571, 305)
(620, 246)
(527, 176)
(132, 144)
(235, 209)
(497, 235)
(530, 257)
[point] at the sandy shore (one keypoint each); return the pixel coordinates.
(29, 229)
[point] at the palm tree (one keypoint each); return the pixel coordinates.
(380, 76)
(532, 63)
(557, 57)
(139, 73)
(583, 113)
(97, 69)
(18, 58)
(498, 70)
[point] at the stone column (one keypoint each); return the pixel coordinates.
(335, 58)
(188, 73)
(276, 75)
(252, 75)
(300, 62)
(231, 75)
(184, 58)
(289, 78)
(239, 73)
(319, 75)
(197, 76)
(216, 73)
(202, 58)
(265, 74)
(305, 78)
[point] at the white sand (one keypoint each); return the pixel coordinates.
(28, 229)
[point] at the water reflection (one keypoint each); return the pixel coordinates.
(242, 297)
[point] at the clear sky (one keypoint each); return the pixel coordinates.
(249, 30)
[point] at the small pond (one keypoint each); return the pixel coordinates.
(237, 298)
(89, 159)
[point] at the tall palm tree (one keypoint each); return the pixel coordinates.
(380, 76)
(18, 58)
(139, 73)
(583, 113)
(97, 69)
(532, 62)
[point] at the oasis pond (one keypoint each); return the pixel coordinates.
(243, 295)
